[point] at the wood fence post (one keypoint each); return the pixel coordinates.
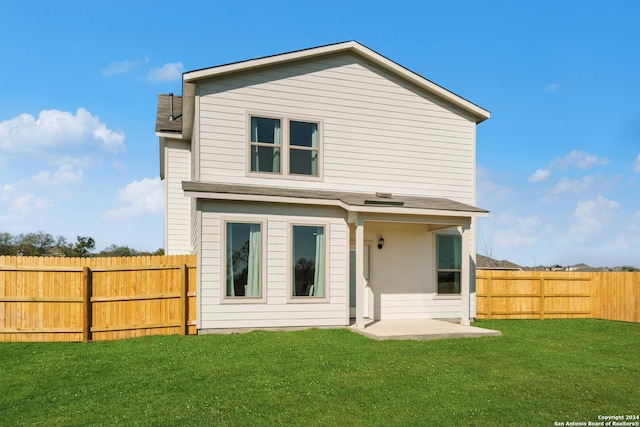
(184, 300)
(489, 285)
(541, 298)
(86, 304)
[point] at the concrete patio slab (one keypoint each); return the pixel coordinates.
(422, 329)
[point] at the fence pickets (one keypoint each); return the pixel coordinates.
(510, 294)
(110, 298)
(83, 299)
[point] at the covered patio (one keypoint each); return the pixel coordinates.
(421, 329)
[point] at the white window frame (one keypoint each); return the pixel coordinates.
(251, 144)
(327, 233)
(436, 292)
(285, 147)
(224, 299)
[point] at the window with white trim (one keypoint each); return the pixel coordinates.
(449, 263)
(284, 146)
(308, 261)
(243, 259)
(265, 145)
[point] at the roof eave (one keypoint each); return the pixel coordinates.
(337, 203)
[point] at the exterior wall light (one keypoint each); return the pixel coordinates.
(381, 242)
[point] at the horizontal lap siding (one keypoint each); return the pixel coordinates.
(178, 206)
(276, 311)
(379, 134)
(418, 306)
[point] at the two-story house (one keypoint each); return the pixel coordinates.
(320, 186)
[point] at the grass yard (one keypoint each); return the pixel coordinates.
(537, 373)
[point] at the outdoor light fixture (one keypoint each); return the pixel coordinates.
(381, 242)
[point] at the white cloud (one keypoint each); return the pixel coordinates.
(54, 128)
(138, 198)
(7, 191)
(552, 87)
(81, 162)
(539, 175)
(65, 175)
(575, 186)
(636, 165)
(168, 72)
(593, 216)
(579, 159)
(28, 203)
(510, 230)
(119, 67)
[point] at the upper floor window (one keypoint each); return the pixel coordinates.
(265, 145)
(449, 263)
(303, 148)
(284, 146)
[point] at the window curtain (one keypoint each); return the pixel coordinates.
(230, 285)
(314, 153)
(255, 148)
(457, 252)
(318, 279)
(276, 149)
(253, 274)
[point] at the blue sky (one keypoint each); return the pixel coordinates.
(558, 162)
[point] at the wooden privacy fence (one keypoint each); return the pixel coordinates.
(83, 299)
(507, 294)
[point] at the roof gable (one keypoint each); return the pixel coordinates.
(352, 47)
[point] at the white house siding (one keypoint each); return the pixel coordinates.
(379, 133)
(177, 219)
(403, 273)
(276, 311)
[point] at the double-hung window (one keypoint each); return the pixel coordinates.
(284, 146)
(265, 145)
(449, 263)
(243, 256)
(303, 148)
(308, 261)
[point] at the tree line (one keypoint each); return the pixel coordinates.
(45, 244)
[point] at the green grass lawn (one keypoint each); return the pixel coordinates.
(537, 373)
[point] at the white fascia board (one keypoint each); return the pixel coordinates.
(170, 135)
(264, 199)
(266, 61)
(480, 113)
(416, 211)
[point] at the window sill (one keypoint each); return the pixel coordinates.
(243, 300)
(307, 300)
(290, 177)
(447, 296)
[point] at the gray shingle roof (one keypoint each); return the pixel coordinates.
(348, 198)
(163, 123)
(494, 264)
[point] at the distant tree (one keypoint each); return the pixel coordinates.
(84, 245)
(6, 244)
(629, 268)
(41, 243)
(487, 245)
(115, 250)
(34, 244)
